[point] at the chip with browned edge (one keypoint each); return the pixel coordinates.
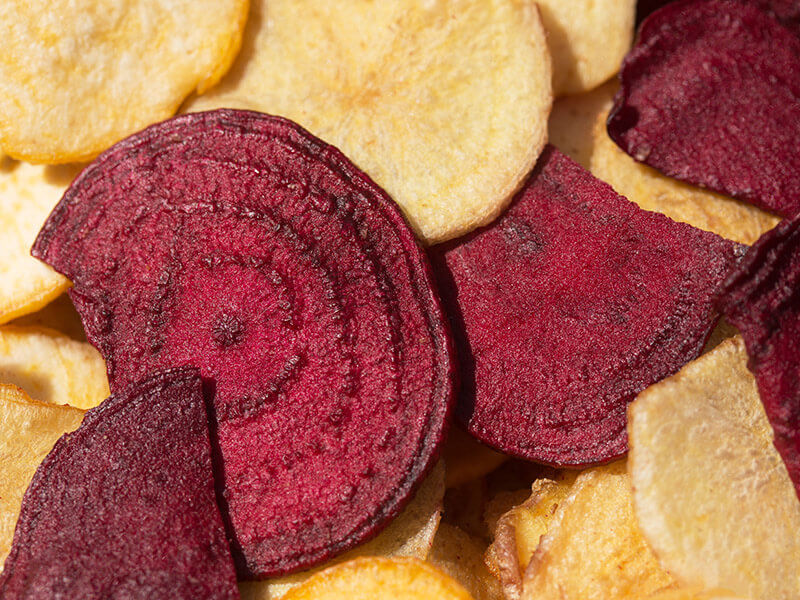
(125, 506)
(569, 305)
(240, 244)
(709, 96)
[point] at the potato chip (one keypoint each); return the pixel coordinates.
(587, 39)
(463, 507)
(377, 578)
(410, 534)
(28, 430)
(75, 77)
(460, 555)
(444, 104)
(60, 314)
(712, 495)
(593, 550)
(27, 195)
(51, 367)
(467, 459)
(692, 593)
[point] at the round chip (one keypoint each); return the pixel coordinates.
(712, 495)
(444, 104)
(75, 77)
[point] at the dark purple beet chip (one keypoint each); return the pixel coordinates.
(762, 299)
(125, 506)
(709, 95)
(787, 11)
(569, 305)
(240, 244)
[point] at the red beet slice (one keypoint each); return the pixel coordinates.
(710, 94)
(787, 11)
(125, 506)
(762, 299)
(240, 244)
(569, 305)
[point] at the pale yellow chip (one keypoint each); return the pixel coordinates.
(712, 495)
(77, 76)
(593, 549)
(28, 430)
(467, 459)
(444, 103)
(587, 39)
(377, 578)
(27, 195)
(460, 555)
(52, 367)
(693, 593)
(410, 534)
(60, 314)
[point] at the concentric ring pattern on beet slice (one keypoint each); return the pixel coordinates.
(125, 506)
(569, 305)
(762, 299)
(240, 244)
(709, 95)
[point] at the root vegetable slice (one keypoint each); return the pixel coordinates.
(569, 305)
(242, 245)
(711, 494)
(125, 506)
(709, 96)
(59, 315)
(444, 104)
(460, 555)
(75, 77)
(28, 430)
(467, 459)
(380, 579)
(762, 299)
(51, 367)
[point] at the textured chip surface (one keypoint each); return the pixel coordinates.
(460, 555)
(711, 494)
(443, 103)
(125, 506)
(240, 244)
(77, 76)
(569, 305)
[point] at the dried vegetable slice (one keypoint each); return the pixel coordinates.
(75, 77)
(125, 506)
(444, 104)
(460, 555)
(59, 315)
(569, 305)
(467, 459)
(330, 358)
(712, 495)
(709, 96)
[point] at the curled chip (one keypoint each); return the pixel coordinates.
(240, 244)
(444, 104)
(587, 40)
(27, 195)
(377, 578)
(593, 549)
(762, 299)
(28, 430)
(52, 367)
(60, 315)
(125, 506)
(467, 459)
(75, 77)
(569, 305)
(460, 555)
(711, 493)
(709, 96)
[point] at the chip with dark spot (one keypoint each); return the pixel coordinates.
(762, 299)
(569, 305)
(125, 506)
(709, 95)
(240, 244)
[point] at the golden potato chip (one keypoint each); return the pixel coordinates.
(467, 459)
(692, 593)
(75, 77)
(587, 39)
(410, 534)
(27, 195)
(59, 314)
(444, 104)
(28, 430)
(712, 495)
(593, 549)
(460, 555)
(52, 367)
(377, 578)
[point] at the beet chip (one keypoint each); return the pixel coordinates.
(710, 96)
(125, 506)
(762, 299)
(240, 244)
(569, 305)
